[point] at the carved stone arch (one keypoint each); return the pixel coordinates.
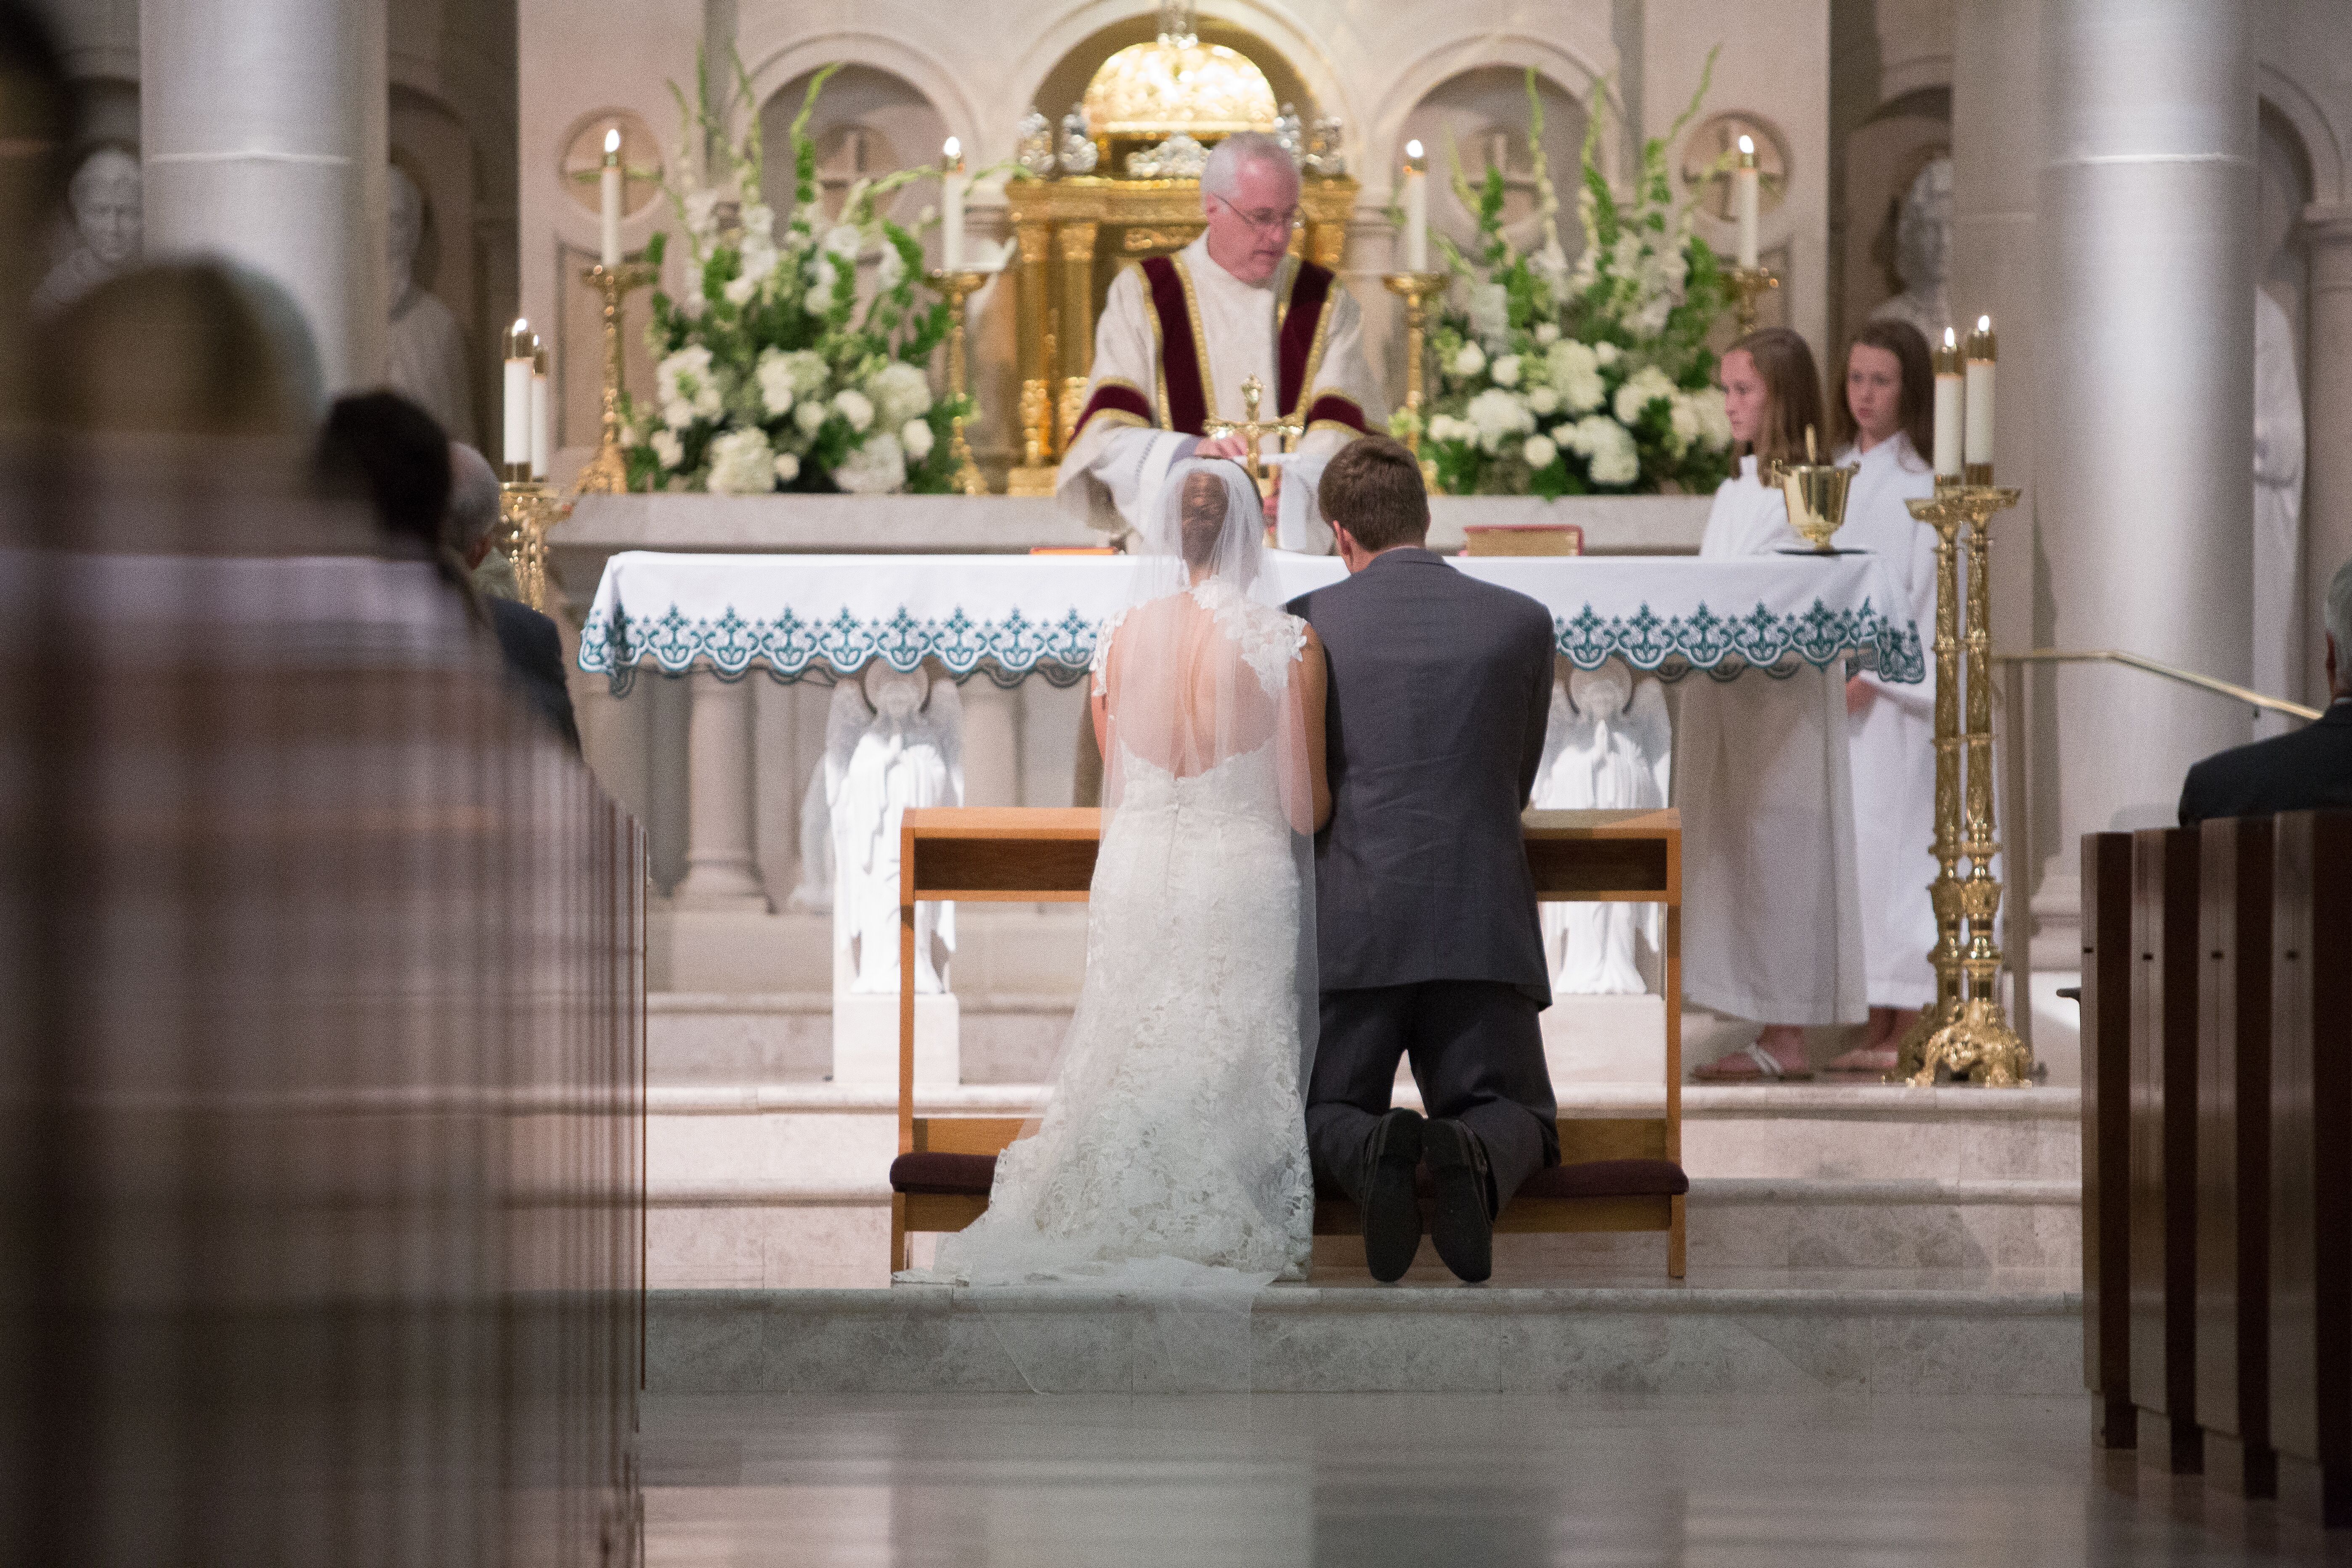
(1577, 74)
(1292, 44)
(774, 55)
(2323, 147)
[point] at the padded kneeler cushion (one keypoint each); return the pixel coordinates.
(944, 1176)
(1608, 1179)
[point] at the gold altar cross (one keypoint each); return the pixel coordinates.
(1253, 429)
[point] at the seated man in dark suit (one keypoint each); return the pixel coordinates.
(2309, 770)
(533, 648)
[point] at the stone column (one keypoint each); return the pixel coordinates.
(991, 743)
(2327, 414)
(2144, 387)
(719, 872)
(262, 126)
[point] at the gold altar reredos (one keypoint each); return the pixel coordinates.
(1077, 232)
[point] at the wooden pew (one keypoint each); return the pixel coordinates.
(2233, 1155)
(1617, 1173)
(2311, 1164)
(2108, 960)
(2163, 1247)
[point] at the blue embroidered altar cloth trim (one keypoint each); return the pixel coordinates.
(820, 616)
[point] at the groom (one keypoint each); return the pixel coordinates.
(1427, 939)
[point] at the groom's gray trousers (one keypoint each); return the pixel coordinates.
(1477, 1054)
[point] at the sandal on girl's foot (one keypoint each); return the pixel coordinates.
(1751, 1064)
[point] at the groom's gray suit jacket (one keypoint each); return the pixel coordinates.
(1440, 691)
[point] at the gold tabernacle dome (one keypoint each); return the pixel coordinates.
(1178, 83)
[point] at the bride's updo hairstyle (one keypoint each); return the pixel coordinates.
(1200, 519)
(1372, 489)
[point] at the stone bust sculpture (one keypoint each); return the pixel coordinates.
(425, 351)
(1923, 253)
(108, 231)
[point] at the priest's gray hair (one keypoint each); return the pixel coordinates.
(1226, 159)
(473, 500)
(2339, 620)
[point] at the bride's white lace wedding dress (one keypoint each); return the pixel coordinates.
(1174, 1138)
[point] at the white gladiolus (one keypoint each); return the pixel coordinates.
(1539, 452)
(916, 437)
(854, 406)
(788, 468)
(1544, 401)
(1490, 314)
(702, 212)
(691, 304)
(844, 240)
(742, 464)
(668, 448)
(810, 417)
(900, 392)
(738, 290)
(1497, 415)
(774, 375)
(1547, 333)
(1505, 371)
(1469, 359)
(877, 467)
(892, 268)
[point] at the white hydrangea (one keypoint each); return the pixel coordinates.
(916, 437)
(1539, 452)
(810, 416)
(1547, 333)
(777, 386)
(687, 376)
(1682, 423)
(854, 406)
(668, 448)
(1607, 355)
(1607, 448)
(1497, 415)
(1445, 428)
(1576, 372)
(809, 371)
(678, 414)
(1544, 401)
(1505, 371)
(818, 300)
(1713, 419)
(900, 392)
(877, 467)
(691, 304)
(788, 468)
(742, 464)
(738, 290)
(1490, 314)
(1644, 387)
(1469, 359)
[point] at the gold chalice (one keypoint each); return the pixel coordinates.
(1816, 493)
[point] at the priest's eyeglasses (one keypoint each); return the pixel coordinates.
(1266, 220)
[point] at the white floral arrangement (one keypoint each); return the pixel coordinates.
(1558, 380)
(768, 376)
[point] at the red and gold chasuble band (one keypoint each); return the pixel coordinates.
(1183, 367)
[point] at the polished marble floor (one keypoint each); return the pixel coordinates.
(1365, 1480)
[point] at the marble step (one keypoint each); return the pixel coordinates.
(1733, 1333)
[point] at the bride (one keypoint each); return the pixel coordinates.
(1174, 1139)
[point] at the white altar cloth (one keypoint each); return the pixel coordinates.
(819, 616)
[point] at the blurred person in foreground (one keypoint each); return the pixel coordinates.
(380, 446)
(2308, 769)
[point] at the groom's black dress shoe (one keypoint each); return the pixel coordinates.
(1459, 1221)
(1391, 1205)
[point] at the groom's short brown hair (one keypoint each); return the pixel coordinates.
(1372, 489)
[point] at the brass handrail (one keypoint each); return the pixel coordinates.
(2170, 672)
(2017, 815)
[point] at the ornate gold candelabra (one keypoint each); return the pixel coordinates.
(1747, 283)
(1416, 288)
(1967, 1033)
(607, 474)
(525, 511)
(957, 287)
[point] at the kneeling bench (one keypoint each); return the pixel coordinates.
(1616, 1174)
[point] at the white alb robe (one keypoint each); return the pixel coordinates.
(1114, 471)
(1771, 901)
(1893, 741)
(2278, 650)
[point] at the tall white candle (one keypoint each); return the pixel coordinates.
(953, 185)
(1949, 406)
(537, 408)
(611, 210)
(1417, 210)
(1744, 200)
(1978, 449)
(515, 449)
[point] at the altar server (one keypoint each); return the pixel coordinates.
(1885, 424)
(1179, 334)
(1772, 923)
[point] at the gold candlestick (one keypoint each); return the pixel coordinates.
(1416, 288)
(1746, 284)
(607, 474)
(1971, 1037)
(956, 287)
(525, 511)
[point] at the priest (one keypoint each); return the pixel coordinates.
(1181, 333)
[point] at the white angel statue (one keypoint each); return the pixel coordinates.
(1609, 746)
(894, 740)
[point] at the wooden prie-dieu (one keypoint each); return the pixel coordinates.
(1616, 1174)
